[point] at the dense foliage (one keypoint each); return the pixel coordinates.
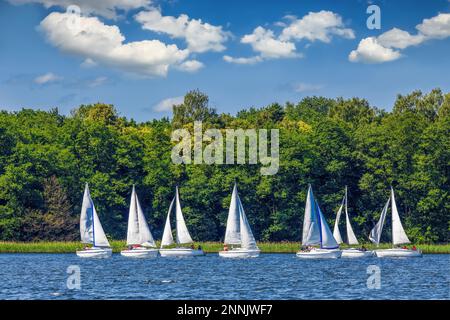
(46, 158)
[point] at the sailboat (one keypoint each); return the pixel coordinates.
(398, 233)
(351, 239)
(238, 232)
(91, 231)
(139, 238)
(317, 232)
(182, 234)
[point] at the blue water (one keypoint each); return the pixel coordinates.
(271, 276)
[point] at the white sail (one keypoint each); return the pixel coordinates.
(375, 234)
(233, 233)
(311, 225)
(145, 235)
(327, 241)
(133, 222)
(336, 232)
(247, 239)
(167, 238)
(183, 235)
(91, 230)
(351, 238)
(138, 230)
(398, 233)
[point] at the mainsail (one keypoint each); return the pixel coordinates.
(233, 231)
(398, 233)
(238, 229)
(315, 228)
(138, 230)
(311, 224)
(182, 233)
(91, 230)
(351, 238)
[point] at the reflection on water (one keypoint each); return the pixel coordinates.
(271, 276)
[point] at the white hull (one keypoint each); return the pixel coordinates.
(98, 253)
(240, 253)
(398, 253)
(356, 253)
(320, 254)
(140, 253)
(180, 252)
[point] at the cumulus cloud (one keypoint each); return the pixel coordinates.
(397, 38)
(190, 66)
(166, 105)
(321, 26)
(46, 78)
(315, 26)
(105, 8)
(91, 39)
(382, 48)
(199, 36)
(264, 42)
(371, 51)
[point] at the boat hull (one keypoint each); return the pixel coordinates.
(180, 252)
(98, 253)
(356, 253)
(140, 253)
(320, 254)
(398, 253)
(240, 253)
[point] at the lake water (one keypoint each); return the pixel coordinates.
(271, 276)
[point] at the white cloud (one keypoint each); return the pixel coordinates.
(437, 27)
(306, 87)
(190, 66)
(381, 49)
(97, 82)
(370, 51)
(264, 42)
(250, 60)
(397, 38)
(91, 39)
(166, 105)
(88, 63)
(49, 77)
(322, 26)
(200, 36)
(105, 8)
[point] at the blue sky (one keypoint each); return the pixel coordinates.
(144, 56)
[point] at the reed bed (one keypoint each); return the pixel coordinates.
(209, 247)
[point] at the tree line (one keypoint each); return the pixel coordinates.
(46, 158)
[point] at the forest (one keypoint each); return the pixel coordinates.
(46, 158)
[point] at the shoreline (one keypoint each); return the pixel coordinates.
(208, 247)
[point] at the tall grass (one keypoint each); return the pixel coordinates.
(210, 247)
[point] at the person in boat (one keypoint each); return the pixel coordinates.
(199, 248)
(414, 248)
(192, 246)
(225, 247)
